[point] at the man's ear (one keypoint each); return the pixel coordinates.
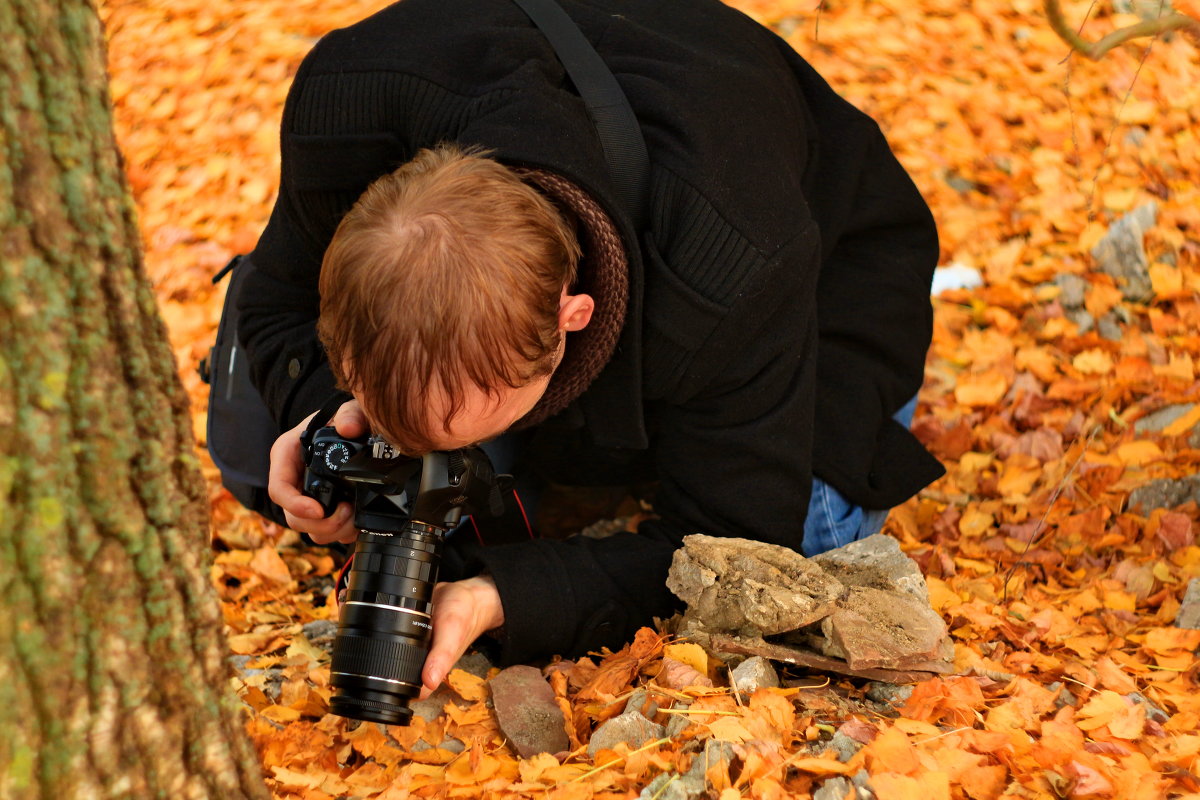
(574, 311)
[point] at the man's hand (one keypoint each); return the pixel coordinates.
(302, 512)
(462, 610)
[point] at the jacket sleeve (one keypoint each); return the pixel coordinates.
(879, 248)
(733, 460)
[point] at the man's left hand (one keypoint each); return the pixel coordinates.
(462, 611)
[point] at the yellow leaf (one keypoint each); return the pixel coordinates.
(1139, 453)
(281, 713)
(532, 768)
(981, 388)
(729, 729)
(1184, 423)
(1093, 362)
(689, 653)
(821, 766)
(975, 522)
(1166, 280)
(469, 687)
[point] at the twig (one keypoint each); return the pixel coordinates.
(1096, 50)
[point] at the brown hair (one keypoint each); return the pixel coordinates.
(445, 273)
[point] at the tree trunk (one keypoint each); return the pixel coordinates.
(113, 678)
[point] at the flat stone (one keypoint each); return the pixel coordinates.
(739, 584)
(1073, 289)
(844, 746)
(432, 707)
(527, 713)
(890, 693)
(1110, 328)
(1083, 319)
(630, 727)
(476, 663)
(756, 646)
(691, 784)
(643, 703)
(833, 789)
(1156, 421)
(1122, 254)
(876, 562)
(676, 724)
(873, 628)
(1164, 493)
(320, 633)
(1189, 609)
(753, 674)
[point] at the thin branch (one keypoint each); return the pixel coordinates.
(1095, 50)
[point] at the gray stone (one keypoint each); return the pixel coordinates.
(1063, 697)
(1083, 319)
(1122, 254)
(888, 693)
(844, 746)
(527, 713)
(432, 707)
(738, 584)
(753, 674)
(1153, 712)
(1164, 493)
(1189, 609)
(676, 724)
(449, 743)
(630, 727)
(862, 780)
(320, 633)
(1073, 290)
(1110, 328)
(643, 703)
(876, 562)
(1155, 421)
(691, 784)
(832, 789)
(475, 663)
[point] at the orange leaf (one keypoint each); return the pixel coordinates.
(985, 388)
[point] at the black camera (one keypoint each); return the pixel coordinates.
(403, 507)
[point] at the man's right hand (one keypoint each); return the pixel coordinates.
(302, 512)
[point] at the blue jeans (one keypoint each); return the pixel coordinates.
(833, 520)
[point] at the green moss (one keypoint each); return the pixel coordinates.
(20, 771)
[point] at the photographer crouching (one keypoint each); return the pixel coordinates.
(451, 248)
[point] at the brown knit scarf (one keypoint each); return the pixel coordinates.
(604, 274)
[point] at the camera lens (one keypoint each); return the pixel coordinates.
(384, 624)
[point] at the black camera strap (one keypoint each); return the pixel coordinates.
(617, 126)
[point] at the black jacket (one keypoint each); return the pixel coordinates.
(779, 310)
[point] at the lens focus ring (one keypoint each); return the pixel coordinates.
(378, 657)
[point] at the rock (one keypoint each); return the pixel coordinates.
(432, 707)
(1082, 318)
(876, 562)
(1062, 697)
(1153, 712)
(1122, 254)
(630, 727)
(691, 784)
(642, 702)
(753, 674)
(676, 724)
(527, 713)
(1110, 328)
(832, 789)
(844, 746)
(475, 663)
(888, 693)
(875, 628)
(1157, 420)
(737, 584)
(862, 782)
(1189, 609)
(1164, 493)
(1073, 290)
(449, 743)
(320, 632)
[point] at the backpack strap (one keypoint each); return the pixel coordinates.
(620, 135)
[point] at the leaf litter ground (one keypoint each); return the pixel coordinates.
(1060, 598)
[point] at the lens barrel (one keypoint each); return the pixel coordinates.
(384, 624)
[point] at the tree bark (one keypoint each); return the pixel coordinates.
(113, 676)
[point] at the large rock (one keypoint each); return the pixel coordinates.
(862, 609)
(527, 713)
(630, 727)
(743, 585)
(876, 628)
(1189, 610)
(1122, 254)
(1157, 420)
(1164, 493)
(875, 562)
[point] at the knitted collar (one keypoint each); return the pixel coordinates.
(604, 274)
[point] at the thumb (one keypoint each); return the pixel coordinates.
(350, 420)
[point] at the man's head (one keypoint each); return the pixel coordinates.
(444, 299)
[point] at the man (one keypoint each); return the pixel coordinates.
(748, 348)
